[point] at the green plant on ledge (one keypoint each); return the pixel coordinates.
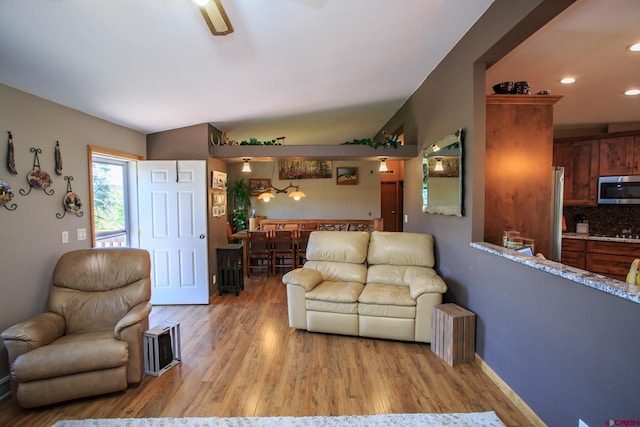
(389, 141)
(254, 141)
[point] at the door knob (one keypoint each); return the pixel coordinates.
(202, 236)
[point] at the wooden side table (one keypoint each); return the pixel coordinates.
(454, 334)
(230, 268)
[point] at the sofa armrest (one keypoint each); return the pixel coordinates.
(304, 277)
(136, 315)
(33, 333)
(427, 284)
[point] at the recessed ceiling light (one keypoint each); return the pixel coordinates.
(632, 92)
(567, 80)
(635, 47)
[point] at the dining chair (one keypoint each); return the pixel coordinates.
(283, 250)
(301, 247)
(259, 252)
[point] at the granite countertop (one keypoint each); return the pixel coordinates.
(593, 280)
(600, 237)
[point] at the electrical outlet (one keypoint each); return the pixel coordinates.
(65, 237)
(82, 234)
(406, 218)
(214, 279)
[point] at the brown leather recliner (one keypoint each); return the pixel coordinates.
(90, 340)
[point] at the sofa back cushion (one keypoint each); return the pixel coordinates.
(400, 248)
(338, 246)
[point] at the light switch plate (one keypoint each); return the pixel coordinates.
(65, 237)
(82, 234)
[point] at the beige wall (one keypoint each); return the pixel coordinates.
(31, 235)
(325, 199)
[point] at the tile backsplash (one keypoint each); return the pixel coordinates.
(605, 219)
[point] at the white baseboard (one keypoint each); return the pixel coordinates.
(5, 388)
(511, 395)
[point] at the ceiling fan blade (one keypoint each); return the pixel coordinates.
(216, 18)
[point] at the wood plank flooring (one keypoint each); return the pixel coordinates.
(240, 358)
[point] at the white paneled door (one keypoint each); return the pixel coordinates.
(173, 225)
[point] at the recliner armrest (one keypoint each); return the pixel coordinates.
(135, 315)
(33, 333)
(304, 277)
(427, 284)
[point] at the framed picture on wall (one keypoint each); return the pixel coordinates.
(346, 176)
(258, 186)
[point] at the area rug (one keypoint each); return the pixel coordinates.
(473, 419)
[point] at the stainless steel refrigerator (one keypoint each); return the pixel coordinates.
(556, 213)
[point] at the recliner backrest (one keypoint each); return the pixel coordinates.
(338, 255)
(94, 288)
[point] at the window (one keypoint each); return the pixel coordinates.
(113, 195)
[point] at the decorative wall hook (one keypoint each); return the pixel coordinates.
(71, 202)
(37, 178)
(5, 196)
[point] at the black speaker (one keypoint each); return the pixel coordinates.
(165, 351)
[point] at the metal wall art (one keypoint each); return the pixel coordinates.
(71, 202)
(37, 178)
(58, 158)
(5, 196)
(11, 160)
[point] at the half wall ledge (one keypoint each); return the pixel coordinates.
(593, 280)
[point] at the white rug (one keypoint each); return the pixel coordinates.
(473, 419)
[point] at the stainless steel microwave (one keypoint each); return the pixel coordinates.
(619, 190)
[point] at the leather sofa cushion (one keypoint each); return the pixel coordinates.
(342, 292)
(338, 246)
(386, 294)
(338, 271)
(397, 311)
(396, 274)
(401, 249)
(71, 354)
(332, 307)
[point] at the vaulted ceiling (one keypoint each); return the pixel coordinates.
(313, 71)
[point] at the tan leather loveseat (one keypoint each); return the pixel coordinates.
(90, 340)
(379, 285)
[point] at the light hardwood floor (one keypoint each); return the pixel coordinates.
(240, 358)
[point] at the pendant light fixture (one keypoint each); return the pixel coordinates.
(268, 194)
(383, 165)
(246, 167)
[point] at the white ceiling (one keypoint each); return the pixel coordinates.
(589, 42)
(314, 71)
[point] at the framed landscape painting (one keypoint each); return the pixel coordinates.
(346, 176)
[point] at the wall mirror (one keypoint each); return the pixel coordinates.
(442, 176)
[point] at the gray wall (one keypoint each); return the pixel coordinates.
(571, 352)
(31, 235)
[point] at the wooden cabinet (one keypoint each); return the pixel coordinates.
(573, 253)
(518, 169)
(580, 160)
(620, 156)
(611, 259)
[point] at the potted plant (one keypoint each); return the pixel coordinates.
(240, 200)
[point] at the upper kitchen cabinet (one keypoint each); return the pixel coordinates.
(518, 169)
(620, 156)
(580, 160)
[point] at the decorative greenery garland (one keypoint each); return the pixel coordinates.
(389, 141)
